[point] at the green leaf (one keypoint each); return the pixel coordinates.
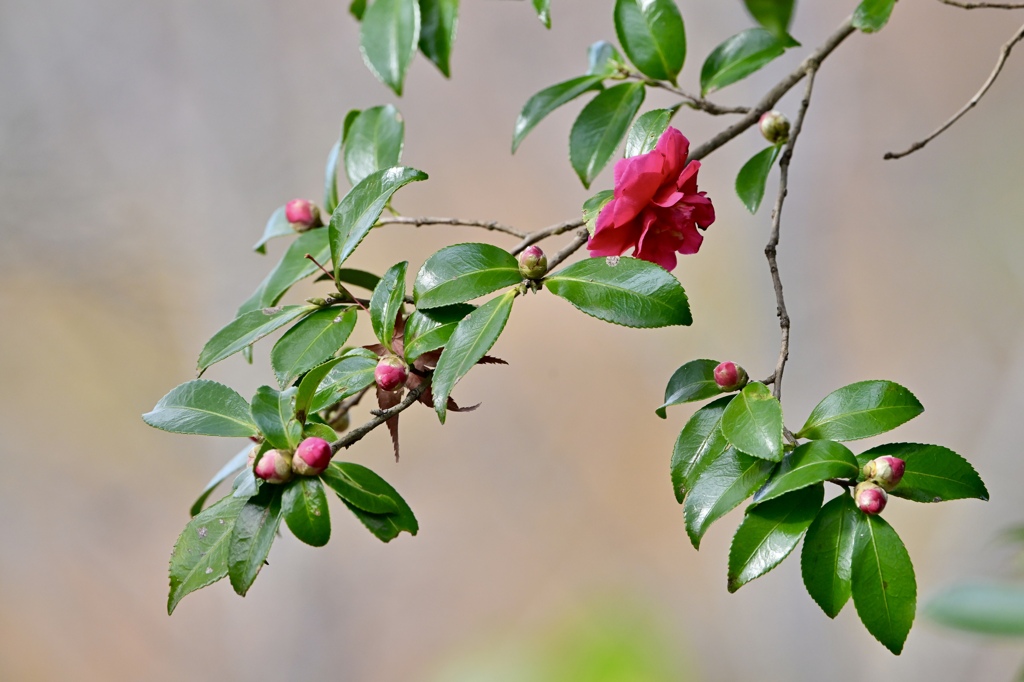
(357, 8)
(462, 272)
(437, 31)
(304, 505)
(653, 36)
(549, 99)
(200, 556)
(861, 410)
(470, 341)
(647, 129)
(386, 303)
(428, 330)
(543, 9)
(738, 57)
(985, 609)
(769, 532)
(346, 125)
(726, 481)
(203, 408)
(592, 208)
(810, 463)
(375, 498)
(275, 415)
(884, 588)
(385, 526)
(362, 206)
(933, 473)
(373, 142)
(246, 330)
(600, 127)
(388, 38)
(693, 381)
(277, 226)
(350, 375)
(774, 15)
(633, 293)
(872, 15)
(603, 59)
(308, 387)
(234, 464)
(359, 278)
(753, 423)
(253, 534)
(293, 267)
(699, 444)
(310, 342)
(827, 556)
(317, 430)
(753, 177)
(331, 178)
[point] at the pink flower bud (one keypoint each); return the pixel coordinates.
(311, 457)
(391, 373)
(730, 377)
(870, 497)
(533, 264)
(302, 214)
(886, 471)
(775, 127)
(274, 466)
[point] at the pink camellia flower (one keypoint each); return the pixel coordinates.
(656, 209)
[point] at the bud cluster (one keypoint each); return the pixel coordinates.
(277, 466)
(881, 475)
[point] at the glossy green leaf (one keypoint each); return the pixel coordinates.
(693, 381)
(235, 464)
(385, 526)
(304, 506)
(362, 206)
(600, 127)
(388, 37)
(769, 532)
(203, 408)
(375, 499)
(386, 303)
(373, 142)
(317, 430)
(653, 36)
(310, 342)
(827, 557)
(439, 19)
(699, 444)
(725, 482)
(357, 8)
(254, 532)
(753, 422)
(351, 374)
(462, 272)
(933, 473)
(983, 608)
(470, 341)
(246, 484)
(359, 278)
(346, 125)
(428, 330)
(331, 178)
(646, 130)
(633, 293)
(861, 410)
(248, 329)
(883, 584)
(774, 15)
(738, 57)
(549, 99)
(293, 267)
(873, 15)
(810, 463)
(592, 208)
(200, 556)
(308, 387)
(603, 59)
(543, 9)
(277, 226)
(752, 178)
(274, 412)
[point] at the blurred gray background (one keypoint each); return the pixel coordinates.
(144, 144)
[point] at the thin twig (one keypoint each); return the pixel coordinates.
(382, 416)
(692, 101)
(573, 247)
(1004, 54)
(491, 225)
(983, 5)
(542, 234)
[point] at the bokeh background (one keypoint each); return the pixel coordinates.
(144, 144)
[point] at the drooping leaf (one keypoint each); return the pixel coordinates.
(592, 208)
(693, 381)
(373, 142)
(203, 408)
(933, 473)
(277, 226)
(549, 99)
(810, 463)
(310, 342)
(293, 267)
(726, 481)
(738, 57)
(374, 499)
(753, 422)
(254, 532)
(439, 19)
(385, 526)
(470, 341)
(769, 532)
(304, 506)
(351, 374)
(603, 59)
(827, 556)
(386, 303)
(543, 9)
(248, 329)
(331, 178)
(428, 330)
(600, 127)
(645, 131)
(699, 444)
(633, 293)
(388, 37)
(883, 584)
(752, 178)
(274, 412)
(233, 465)
(861, 410)
(873, 15)
(200, 556)
(774, 15)
(462, 272)
(988, 609)
(653, 36)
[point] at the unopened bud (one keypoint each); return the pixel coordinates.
(302, 214)
(317, 301)
(730, 377)
(340, 422)
(311, 457)
(274, 467)
(533, 264)
(775, 127)
(870, 497)
(886, 471)
(391, 373)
